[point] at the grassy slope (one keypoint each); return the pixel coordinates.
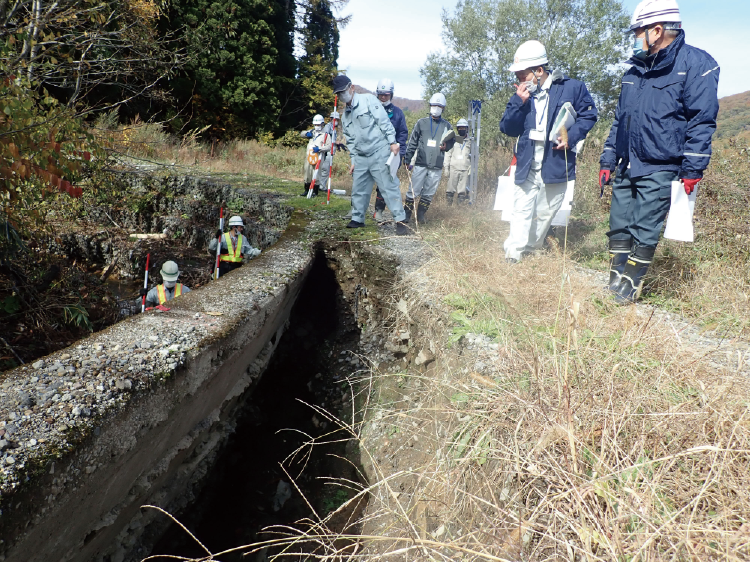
(734, 116)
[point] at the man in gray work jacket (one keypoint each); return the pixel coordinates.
(427, 142)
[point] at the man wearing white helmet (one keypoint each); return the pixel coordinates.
(169, 288)
(458, 164)
(544, 166)
(234, 247)
(318, 148)
(384, 92)
(370, 138)
(665, 119)
(426, 141)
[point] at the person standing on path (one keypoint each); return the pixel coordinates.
(662, 131)
(318, 148)
(458, 164)
(543, 167)
(371, 138)
(426, 141)
(384, 92)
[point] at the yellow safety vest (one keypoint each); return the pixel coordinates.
(233, 254)
(163, 293)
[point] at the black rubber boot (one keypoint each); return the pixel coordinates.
(461, 199)
(316, 190)
(421, 210)
(629, 289)
(379, 201)
(619, 250)
(408, 209)
(307, 188)
(449, 198)
(402, 229)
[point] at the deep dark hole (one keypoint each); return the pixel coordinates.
(237, 500)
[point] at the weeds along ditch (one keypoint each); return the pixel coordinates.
(283, 466)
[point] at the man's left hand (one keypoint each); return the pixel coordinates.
(316, 149)
(442, 147)
(690, 184)
(395, 148)
(560, 145)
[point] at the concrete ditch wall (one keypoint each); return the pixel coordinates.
(134, 414)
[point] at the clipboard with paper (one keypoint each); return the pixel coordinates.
(566, 117)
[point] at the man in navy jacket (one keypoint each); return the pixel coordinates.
(665, 118)
(384, 92)
(543, 167)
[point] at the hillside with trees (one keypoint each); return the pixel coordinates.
(734, 116)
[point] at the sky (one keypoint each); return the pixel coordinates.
(389, 38)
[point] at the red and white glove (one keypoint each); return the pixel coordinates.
(604, 177)
(690, 184)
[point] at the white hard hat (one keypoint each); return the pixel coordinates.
(169, 271)
(529, 55)
(462, 123)
(318, 119)
(236, 220)
(650, 12)
(438, 99)
(385, 86)
(335, 115)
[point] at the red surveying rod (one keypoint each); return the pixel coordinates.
(333, 147)
(218, 244)
(145, 284)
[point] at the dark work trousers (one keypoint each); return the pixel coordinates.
(227, 266)
(379, 201)
(639, 207)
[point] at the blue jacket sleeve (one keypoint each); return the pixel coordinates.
(701, 107)
(608, 159)
(402, 133)
(586, 116)
(513, 119)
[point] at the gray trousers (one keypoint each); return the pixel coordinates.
(424, 183)
(639, 207)
(367, 171)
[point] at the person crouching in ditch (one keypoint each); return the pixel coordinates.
(169, 288)
(234, 247)
(544, 167)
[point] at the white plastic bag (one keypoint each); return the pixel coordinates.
(563, 213)
(680, 220)
(504, 194)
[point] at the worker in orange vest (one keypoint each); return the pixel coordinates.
(169, 289)
(234, 246)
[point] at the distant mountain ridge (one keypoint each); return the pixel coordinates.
(403, 103)
(734, 116)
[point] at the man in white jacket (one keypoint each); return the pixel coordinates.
(458, 164)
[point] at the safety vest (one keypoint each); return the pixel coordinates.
(233, 254)
(163, 293)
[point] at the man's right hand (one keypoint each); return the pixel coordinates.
(308, 134)
(605, 177)
(409, 167)
(522, 92)
(143, 292)
(351, 169)
(218, 233)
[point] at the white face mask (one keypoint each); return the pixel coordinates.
(170, 284)
(436, 111)
(346, 96)
(318, 127)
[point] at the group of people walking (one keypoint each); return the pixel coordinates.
(661, 134)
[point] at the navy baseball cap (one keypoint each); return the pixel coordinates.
(341, 83)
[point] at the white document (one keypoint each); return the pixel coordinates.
(566, 117)
(563, 213)
(680, 220)
(504, 195)
(394, 161)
